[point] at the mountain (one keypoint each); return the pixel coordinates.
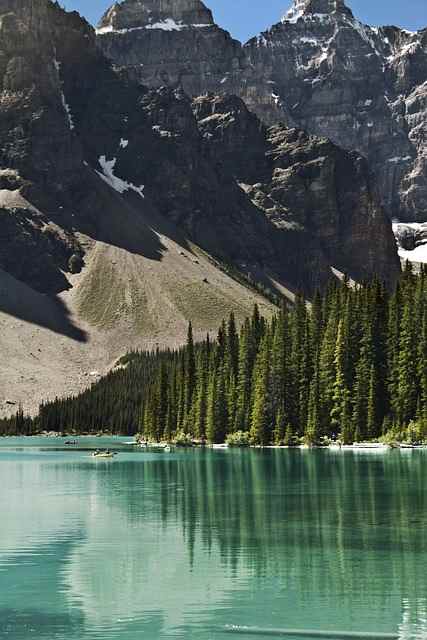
(126, 210)
(319, 69)
(171, 42)
(301, 183)
(364, 88)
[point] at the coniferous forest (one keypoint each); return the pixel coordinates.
(351, 365)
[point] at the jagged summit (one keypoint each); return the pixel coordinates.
(301, 8)
(168, 15)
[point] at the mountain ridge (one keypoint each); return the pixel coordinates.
(319, 69)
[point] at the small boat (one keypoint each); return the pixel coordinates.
(167, 449)
(70, 442)
(102, 454)
(405, 445)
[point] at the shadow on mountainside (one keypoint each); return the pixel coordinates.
(127, 222)
(20, 301)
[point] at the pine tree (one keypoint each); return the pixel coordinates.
(340, 413)
(407, 388)
(162, 401)
(190, 371)
(313, 425)
(327, 368)
(280, 427)
(201, 404)
(261, 409)
(217, 417)
(211, 414)
(372, 409)
(244, 382)
(422, 367)
(232, 353)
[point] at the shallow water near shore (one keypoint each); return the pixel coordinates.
(164, 545)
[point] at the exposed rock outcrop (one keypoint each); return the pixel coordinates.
(302, 182)
(180, 14)
(170, 42)
(361, 87)
(319, 69)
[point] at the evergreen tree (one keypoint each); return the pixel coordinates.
(201, 407)
(407, 385)
(313, 428)
(261, 408)
(244, 382)
(280, 427)
(217, 421)
(190, 371)
(340, 413)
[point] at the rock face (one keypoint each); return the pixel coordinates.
(41, 160)
(171, 42)
(363, 88)
(301, 183)
(160, 14)
(319, 69)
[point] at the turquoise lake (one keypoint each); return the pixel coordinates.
(180, 545)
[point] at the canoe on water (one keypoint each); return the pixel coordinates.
(102, 454)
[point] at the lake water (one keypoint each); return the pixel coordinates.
(179, 545)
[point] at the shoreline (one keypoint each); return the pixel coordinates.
(369, 446)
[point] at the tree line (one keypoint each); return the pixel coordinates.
(351, 365)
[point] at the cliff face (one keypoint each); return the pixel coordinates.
(155, 14)
(302, 183)
(319, 69)
(361, 87)
(173, 43)
(41, 159)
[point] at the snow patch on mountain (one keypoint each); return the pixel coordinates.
(67, 110)
(119, 185)
(65, 104)
(168, 24)
(411, 238)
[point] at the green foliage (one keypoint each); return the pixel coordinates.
(182, 439)
(238, 439)
(291, 439)
(352, 365)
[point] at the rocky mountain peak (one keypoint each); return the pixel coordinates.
(169, 15)
(302, 8)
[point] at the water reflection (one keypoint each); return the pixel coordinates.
(175, 545)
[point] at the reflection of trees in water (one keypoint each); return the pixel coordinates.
(327, 524)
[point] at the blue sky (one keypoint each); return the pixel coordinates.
(245, 18)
